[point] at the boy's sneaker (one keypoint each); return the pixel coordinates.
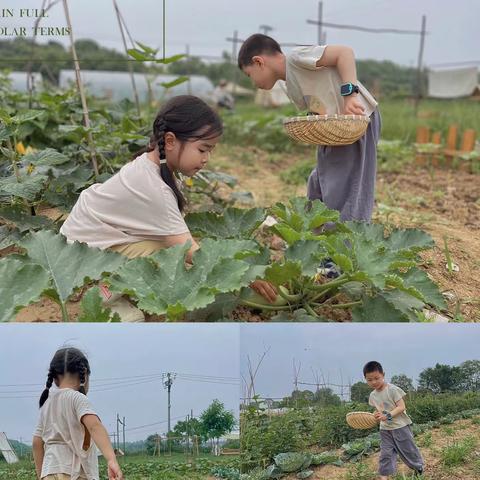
(120, 305)
(328, 269)
(419, 473)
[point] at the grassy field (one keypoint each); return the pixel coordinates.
(138, 467)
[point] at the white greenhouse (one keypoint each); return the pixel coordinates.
(117, 85)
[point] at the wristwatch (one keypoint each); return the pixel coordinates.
(388, 415)
(348, 88)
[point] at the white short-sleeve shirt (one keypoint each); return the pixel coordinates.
(386, 400)
(63, 434)
(317, 89)
(133, 205)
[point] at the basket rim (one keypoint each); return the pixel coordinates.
(323, 118)
(368, 414)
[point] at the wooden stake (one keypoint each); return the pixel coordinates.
(130, 68)
(86, 117)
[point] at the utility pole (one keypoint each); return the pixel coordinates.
(235, 40)
(320, 20)
(420, 63)
(118, 433)
(117, 442)
(167, 383)
(265, 29)
(189, 83)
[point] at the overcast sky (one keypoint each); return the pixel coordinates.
(454, 35)
(121, 351)
(339, 351)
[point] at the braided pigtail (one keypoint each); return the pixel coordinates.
(160, 128)
(44, 396)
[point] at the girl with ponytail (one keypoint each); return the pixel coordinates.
(68, 429)
(138, 211)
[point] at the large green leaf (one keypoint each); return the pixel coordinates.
(410, 239)
(28, 187)
(69, 266)
(388, 306)
(308, 253)
(373, 259)
(93, 309)
(233, 223)
(175, 82)
(47, 157)
(16, 215)
(419, 279)
(27, 116)
(377, 309)
(301, 217)
(8, 236)
(20, 285)
(164, 285)
(280, 273)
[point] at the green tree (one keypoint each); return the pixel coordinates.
(470, 371)
(192, 427)
(216, 421)
(359, 392)
(404, 382)
(326, 398)
(440, 379)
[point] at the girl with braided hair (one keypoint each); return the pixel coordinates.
(62, 442)
(138, 211)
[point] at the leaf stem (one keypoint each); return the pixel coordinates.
(263, 307)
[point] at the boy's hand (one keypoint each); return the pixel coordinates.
(265, 289)
(380, 417)
(352, 106)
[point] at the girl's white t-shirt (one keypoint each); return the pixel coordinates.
(133, 205)
(63, 434)
(317, 89)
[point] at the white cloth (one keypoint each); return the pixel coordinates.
(452, 82)
(317, 89)
(61, 430)
(133, 205)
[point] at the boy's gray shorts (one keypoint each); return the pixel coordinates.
(344, 178)
(398, 442)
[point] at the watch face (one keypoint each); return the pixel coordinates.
(346, 89)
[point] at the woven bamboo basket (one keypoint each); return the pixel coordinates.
(361, 420)
(326, 129)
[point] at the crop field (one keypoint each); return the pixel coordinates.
(419, 259)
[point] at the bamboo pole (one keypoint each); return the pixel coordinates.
(86, 117)
(130, 68)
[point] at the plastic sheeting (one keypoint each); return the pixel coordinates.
(452, 83)
(19, 80)
(117, 85)
(7, 450)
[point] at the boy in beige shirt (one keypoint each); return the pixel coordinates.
(395, 424)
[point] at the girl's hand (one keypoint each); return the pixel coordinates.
(114, 471)
(352, 106)
(265, 289)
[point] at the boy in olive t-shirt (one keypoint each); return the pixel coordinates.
(396, 435)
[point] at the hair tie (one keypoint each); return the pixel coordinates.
(163, 160)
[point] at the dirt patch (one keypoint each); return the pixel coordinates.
(434, 468)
